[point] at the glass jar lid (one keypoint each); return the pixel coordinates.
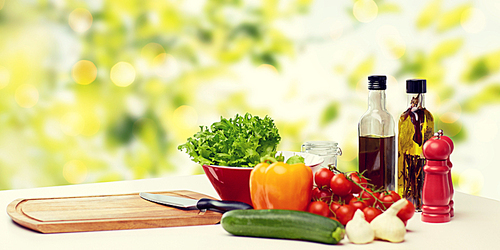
(321, 148)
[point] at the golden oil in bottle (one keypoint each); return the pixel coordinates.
(416, 126)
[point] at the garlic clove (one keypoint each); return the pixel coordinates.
(358, 230)
(388, 226)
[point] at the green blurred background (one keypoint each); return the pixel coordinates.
(105, 90)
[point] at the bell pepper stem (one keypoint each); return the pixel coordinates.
(268, 159)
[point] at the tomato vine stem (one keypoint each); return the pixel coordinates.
(363, 189)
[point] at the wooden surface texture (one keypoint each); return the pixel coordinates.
(106, 212)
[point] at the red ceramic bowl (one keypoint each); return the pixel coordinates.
(232, 183)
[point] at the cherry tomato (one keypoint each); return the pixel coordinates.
(333, 218)
(345, 213)
(395, 196)
(406, 212)
(319, 207)
(340, 185)
(367, 196)
(342, 199)
(322, 194)
(346, 198)
(358, 203)
(388, 198)
(335, 205)
(356, 177)
(322, 177)
(371, 213)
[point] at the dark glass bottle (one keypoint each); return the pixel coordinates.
(416, 126)
(377, 138)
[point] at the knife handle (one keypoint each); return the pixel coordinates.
(221, 206)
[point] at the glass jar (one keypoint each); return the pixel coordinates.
(328, 150)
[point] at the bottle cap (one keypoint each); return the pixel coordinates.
(416, 86)
(377, 82)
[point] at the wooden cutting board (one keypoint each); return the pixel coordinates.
(106, 212)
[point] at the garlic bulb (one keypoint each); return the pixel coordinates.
(358, 230)
(388, 226)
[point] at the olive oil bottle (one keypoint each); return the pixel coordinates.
(416, 126)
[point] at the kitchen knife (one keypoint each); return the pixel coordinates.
(202, 204)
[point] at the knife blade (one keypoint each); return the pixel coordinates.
(201, 204)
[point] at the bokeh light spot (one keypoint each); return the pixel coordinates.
(84, 72)
(4, 77)
(151, 50)
(449, 117)
(452, 111)
(165, 65)
(122, 74)
(473, 20)
(80, 20)
(185, 117)
(26, 95)
(268, 68)
(451, 129)
(72, 124)
(2, 3)
(390, 41)
(365, 10)
(471, 181)
(75, 171)
(392, 81)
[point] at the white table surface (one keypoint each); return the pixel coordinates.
(476, 225)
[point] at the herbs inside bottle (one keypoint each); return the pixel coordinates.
(416, 126)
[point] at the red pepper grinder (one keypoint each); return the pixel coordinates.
(450, 165)
(436, 190)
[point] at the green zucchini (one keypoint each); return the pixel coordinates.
(283, 224)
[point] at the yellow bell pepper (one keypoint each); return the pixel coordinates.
(281, 186)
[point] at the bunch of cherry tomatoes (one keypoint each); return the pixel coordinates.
(338, 195)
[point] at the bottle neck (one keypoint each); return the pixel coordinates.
(415, 100)
(376, 99)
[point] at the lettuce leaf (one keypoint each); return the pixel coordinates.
(238, 142)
